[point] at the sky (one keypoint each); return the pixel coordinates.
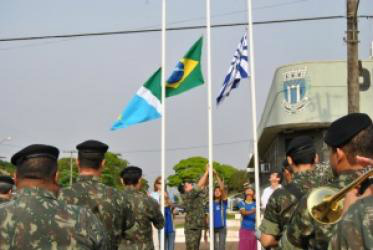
(64, 91)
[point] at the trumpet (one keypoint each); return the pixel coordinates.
(329, 210)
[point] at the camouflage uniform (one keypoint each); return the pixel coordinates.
(146, 211)
(282, 202)
(355, 230)
(35, 219)
(194, 203)
(3, 200)
(105, 202)
(303, 232)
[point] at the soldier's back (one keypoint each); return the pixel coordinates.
(3, 200)
(104, 201)
(284, 201)
(35, 219)
(306, 233)
(355, 230)
(146, 212)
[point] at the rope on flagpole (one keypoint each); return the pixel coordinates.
(209, 110)
(253, 113)
(163, 127)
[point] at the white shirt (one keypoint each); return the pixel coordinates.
(267, 192)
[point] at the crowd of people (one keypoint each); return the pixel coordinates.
(91, 215)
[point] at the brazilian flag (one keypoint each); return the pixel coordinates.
(187, 73)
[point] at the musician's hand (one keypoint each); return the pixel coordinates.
(364, 161)
(353, 196)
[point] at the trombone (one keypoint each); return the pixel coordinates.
(329, 210)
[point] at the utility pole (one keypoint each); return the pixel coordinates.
(352, 41)
(71, 152)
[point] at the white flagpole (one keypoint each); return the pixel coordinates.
(253, 113)
(163, 129)
(209, 109)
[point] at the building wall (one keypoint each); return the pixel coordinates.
(304, 99)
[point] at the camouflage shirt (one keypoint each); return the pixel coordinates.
(105, 202)
(355, 230)
(283, 202)
(146, 212)
(36, 220)
(194, 205)
(3, 200)
(303, 232)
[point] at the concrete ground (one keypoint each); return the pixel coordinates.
(205, 246)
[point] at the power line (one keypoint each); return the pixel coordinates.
(139, 31)
(185, 148)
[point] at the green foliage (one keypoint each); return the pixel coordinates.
(6, 168)
(192, 168)
(238, 179)
(110, 175)
(64, 171)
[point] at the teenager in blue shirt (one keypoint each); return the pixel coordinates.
(247, 230)
(220, 215)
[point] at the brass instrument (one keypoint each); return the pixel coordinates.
(329, 210)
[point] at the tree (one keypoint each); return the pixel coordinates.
(110, 175)
(6, 168)
(192, 168)
(238, 179)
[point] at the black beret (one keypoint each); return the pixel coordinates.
(300, 143)
(6, 179)
(35, 151)
(345, 128)
(131, 171)
(92, 146)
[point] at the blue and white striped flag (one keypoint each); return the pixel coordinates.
(238, 70)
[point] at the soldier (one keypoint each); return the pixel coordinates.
(301, 157)
(355, 230)
(6, 187)
(146, 211)
(347, 137)
(35, 219)
(104, 201)
(193, 202)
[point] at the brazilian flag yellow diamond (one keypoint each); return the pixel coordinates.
(187, 73)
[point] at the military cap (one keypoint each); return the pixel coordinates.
(6, 179)
(299, 144)
(131, 171)
(345, 128)
(35, 151)
(92, 146)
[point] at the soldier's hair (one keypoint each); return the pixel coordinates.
(87, 161)
(361, 144)
(5, 187)
(306, 156)
(130, 178)
(42, 168)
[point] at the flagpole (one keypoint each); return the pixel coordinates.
(209, 110)
(253, 113)
(163, 126)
